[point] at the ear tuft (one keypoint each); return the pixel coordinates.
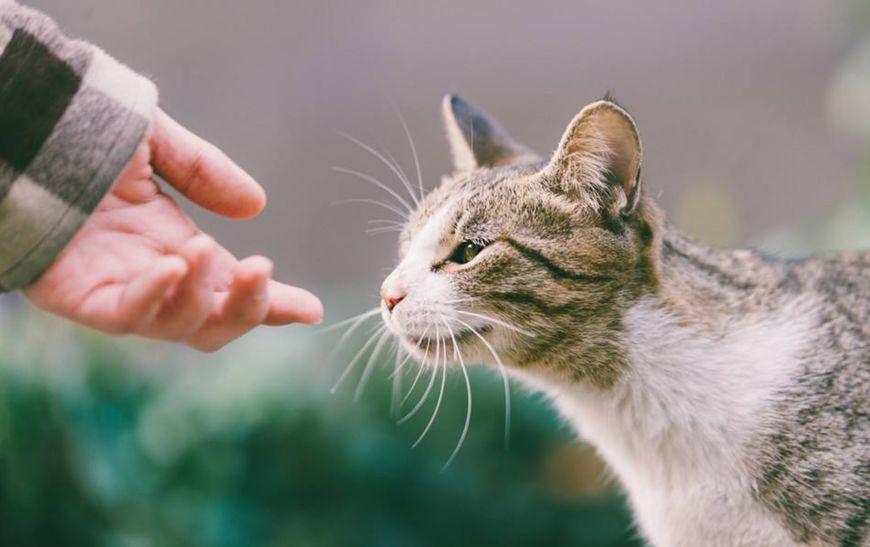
(478, 141)
(609, 97)
(599, 158)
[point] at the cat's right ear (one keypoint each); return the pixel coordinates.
(478, 141)
(598, 159)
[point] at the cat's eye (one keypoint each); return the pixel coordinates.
(465, 252)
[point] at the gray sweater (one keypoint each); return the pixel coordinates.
(70, 119)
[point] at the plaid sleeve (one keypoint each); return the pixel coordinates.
(70, 119)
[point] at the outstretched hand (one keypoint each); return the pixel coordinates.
(140, 265)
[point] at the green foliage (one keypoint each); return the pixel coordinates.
(103, 446)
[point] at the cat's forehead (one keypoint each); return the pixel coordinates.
(482, 181)
(493, 202)
(481, 188)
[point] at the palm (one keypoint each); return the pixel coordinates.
(130, 229)
(139, 264)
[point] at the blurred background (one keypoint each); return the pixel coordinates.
(756, 122)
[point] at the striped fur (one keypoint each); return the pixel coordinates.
(728, 391)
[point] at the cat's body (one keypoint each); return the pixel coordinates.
(730, 393)
(740, 419)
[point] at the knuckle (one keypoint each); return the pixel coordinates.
(121, 329)
(207, 346)
(175, 332)
(130, 326)
(196, 169)
(173, 336)
(249, 315)
(252, 311)
(122, 325)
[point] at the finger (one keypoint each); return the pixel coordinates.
(144, 295)
(193, 300)
(245, 306)
(203, 173)
(292, 305)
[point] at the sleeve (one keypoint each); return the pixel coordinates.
(70, 119)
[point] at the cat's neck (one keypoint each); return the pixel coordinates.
(705, 353)
(693, 395)
(705, 359)
(681, 425)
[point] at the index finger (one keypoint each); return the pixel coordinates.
(289, 304)
(200, 171)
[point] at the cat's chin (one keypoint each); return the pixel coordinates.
(464, 336)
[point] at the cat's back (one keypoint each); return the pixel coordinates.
(843, 286)
(815, 465)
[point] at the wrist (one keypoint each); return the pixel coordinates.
(70, 119)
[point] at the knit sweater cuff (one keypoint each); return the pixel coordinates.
(71, 117)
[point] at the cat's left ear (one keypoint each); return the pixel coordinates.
(478, 141)
(599, 157)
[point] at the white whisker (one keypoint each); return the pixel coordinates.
(425, 395)
(460, 300)
(356, 358)
(437, 403)
(406, 182)
(384, 221)
(465, 427)
(364, 378)
(402, 214)
(413, 153)
(420, 370)
(376, 154)
(362, 316)
(397, 381)
(409, 355)
(504, 377)
(358, 321)
(383, 230)
(496, 321)
(376, 182)
(400, 366)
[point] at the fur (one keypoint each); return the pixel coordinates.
(727, 391)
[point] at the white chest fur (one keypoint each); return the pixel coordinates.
(677, 427)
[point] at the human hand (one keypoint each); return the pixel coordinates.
(140, 265)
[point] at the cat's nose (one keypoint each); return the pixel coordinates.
(392, 297)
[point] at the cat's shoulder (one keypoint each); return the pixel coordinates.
(841, 284)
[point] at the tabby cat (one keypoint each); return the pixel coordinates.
(729, 392)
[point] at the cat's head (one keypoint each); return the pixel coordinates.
(528, 259)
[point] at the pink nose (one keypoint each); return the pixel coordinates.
(392, 297)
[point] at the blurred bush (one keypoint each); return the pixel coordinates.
(101, 445)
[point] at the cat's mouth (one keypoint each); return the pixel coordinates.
(459, 336)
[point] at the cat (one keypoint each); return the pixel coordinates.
(729, 392)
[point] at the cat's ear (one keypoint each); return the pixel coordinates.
(599, 157)
(477, 141)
